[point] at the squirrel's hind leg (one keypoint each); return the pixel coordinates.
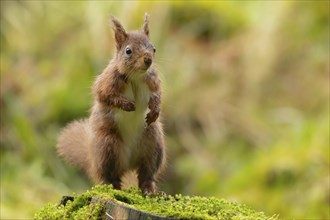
(106, 167)
(152, 159)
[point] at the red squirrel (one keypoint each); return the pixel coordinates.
(123, 132)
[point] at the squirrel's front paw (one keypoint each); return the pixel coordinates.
(128, 106)
(152, 116)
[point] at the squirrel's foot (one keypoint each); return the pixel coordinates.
(128, 106)
(152, 117)
(148, 188)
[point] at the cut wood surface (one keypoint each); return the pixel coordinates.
(116, 211)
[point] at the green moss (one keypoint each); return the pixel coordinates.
(178, 206)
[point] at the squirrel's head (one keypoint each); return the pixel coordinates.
(135, 52)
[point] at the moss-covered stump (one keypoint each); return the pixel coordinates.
(104, 202)
(113, 210)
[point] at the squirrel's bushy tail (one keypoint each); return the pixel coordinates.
(72, 144)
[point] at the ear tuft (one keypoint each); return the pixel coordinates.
(146, 24)
(120, 33)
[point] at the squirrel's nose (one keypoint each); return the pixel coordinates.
(147, 61)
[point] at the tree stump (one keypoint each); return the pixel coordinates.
(104, 202)
(115, 211)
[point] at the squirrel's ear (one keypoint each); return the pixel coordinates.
(120, 33)
(146, 24)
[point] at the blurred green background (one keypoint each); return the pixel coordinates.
(245, 104)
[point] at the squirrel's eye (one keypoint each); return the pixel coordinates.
(154, 50)
(128, 51)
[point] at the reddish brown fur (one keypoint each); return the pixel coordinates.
(97, 145)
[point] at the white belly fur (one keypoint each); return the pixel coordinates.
(131, 124)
